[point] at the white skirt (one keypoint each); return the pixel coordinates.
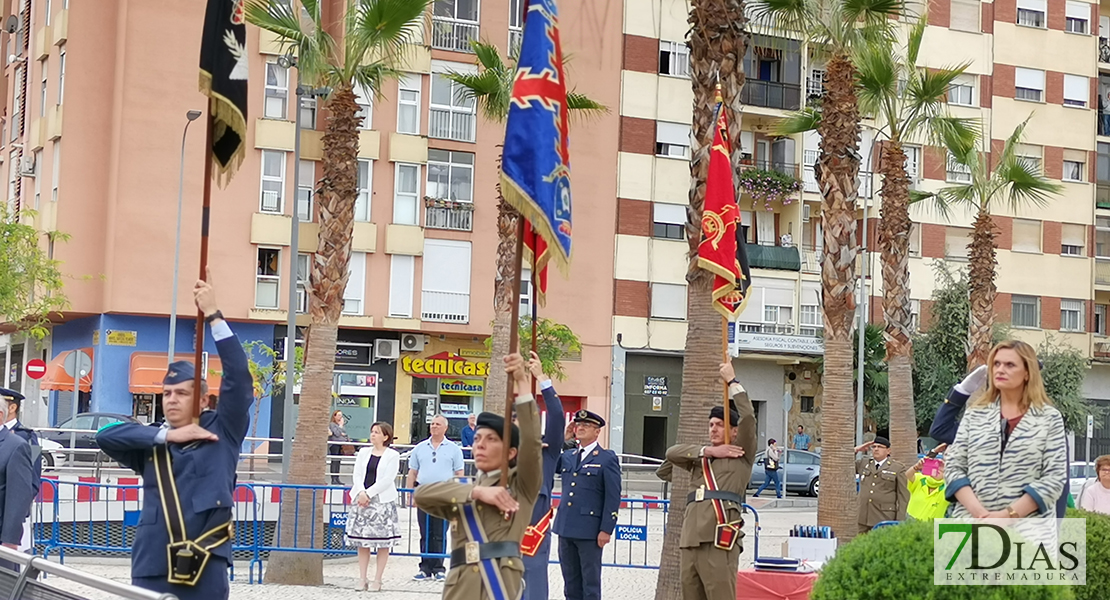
(374, 525)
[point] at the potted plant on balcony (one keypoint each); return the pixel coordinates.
(767, 186)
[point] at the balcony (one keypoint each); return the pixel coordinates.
(811, 259)
(1103, 50)
(516, 36)
(785, 168)
(448, 214)
(1102, 195)
(809, 181)
(449, 124)
(771, 94)
(1103, 124)
(1102, 271)
(453, 34)
(445, 307)
(774, 257)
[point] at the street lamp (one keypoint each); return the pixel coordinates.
(192, 115)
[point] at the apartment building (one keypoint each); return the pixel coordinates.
(420, 292)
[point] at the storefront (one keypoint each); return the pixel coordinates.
(448, 378)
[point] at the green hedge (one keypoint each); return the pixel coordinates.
(1098, 555)
(896, 563)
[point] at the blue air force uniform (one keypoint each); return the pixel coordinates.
(590, 501)
(15, 400)
(204, 474)
(535, 566)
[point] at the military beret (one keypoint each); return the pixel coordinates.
(881, 441)
(179, 372)
(496, 423)
(10, 395)
(718, 412)
(585, 416)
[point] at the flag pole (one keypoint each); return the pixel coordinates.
(532, 297)
(514, 347)
(725, 358)
(198, 375)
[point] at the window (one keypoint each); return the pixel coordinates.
(365, 102)
(1100, 319)
(957, 172)
(273, 181)
(669, 221)
(55, 170)
(913, 162)
(61, 72)
(450, 175)
(362, 202)
(451, 111)
(810, 318)
(672, 139)
(305, 188)
(445, 284)
(962, 90)
(1028, 84)
(47, 13)
(267, 280)
(302, 280)
(668, 301)
(277, 91)
(964, 15)
(308, 112)
(1071, 315)
(956, 240)
(17, 107)
(525, 291)
(674, 59)
(915, 315)
(408, 104)
(1102, 237)
(1075, 165)
(356, 284)
(1078, 16)
(1026, 236)
(1072, 239)
(37, 156)
(13, 177)
(44, 71)
(400, 285)
(406, 191)
(1030, 156)
(1075, 90)
(1031, 13)
(807, 403)
(915, 239)
(1025, 311)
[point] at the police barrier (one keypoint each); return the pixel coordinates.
(90, 518)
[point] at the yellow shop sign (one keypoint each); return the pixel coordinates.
(444, 364)
(462, 387)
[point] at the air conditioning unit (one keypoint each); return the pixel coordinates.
(805, 213)
(412, 342)
(387, 349)
(27, 166)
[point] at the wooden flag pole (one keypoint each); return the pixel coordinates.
(514, 347)
(532, 297)
(205, 204)
(725, 357)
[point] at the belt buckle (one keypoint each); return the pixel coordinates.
(473, 553)
(699, 495)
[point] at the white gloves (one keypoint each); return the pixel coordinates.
(973, 381)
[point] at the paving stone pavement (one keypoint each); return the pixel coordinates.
(341, 575)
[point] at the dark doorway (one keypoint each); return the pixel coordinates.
(655, 436)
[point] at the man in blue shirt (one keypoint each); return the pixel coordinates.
(434, 460)
(801, 440)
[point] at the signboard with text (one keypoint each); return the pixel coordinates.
(655, 386)
(352, 354)
(767, 342)
(444, 364)
(462, 387)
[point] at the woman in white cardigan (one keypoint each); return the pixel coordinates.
(372, 518)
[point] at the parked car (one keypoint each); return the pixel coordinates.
(1079, 475)
(53, 453)
(802, 468)
(56, 443)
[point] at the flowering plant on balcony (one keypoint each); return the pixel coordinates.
(767, 186)
(430, 202)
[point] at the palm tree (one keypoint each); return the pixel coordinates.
(718, 42)
(837, 28)
(491, 88)
(375, 35)
(1014, 180)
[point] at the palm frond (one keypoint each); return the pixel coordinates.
(380, 31)
(952, 132)
(877, 76)
(298, 32)
(489, 57)
(585, 107)
(1024, 184)
(489, 89)
(800, 121)
(914, 38)
(871, 12)
(801, 16)
(946, 200)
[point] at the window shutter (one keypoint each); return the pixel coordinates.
(964, 15)
(672, 133)
(1073, 235)
(1078, 10)
(446, 266)
(1029, 78)
(356, 282)
(1075, 88)
(955, 242)
(1027, 235)
(1039, 5)
(674, 214)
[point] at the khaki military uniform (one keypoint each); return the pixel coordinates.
(883, 492)
(446, 499)
(708, 572)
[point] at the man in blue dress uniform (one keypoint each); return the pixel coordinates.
(587, 515)
(16, 491)
(537, 539)
(14, 401)
(183, 542)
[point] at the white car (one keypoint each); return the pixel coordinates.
(53, 453)
(1079, 474)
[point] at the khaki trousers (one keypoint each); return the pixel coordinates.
(709, 573)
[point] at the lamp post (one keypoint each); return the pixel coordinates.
(192, 115)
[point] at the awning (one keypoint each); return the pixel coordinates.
(58, 380)
(149, 368)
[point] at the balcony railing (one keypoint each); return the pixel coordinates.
(1102, 271)
(516, 36)
(785, 168)
(811, 260)
(445, 307)
(448, 214)
(809, 182)
(453, 34)
(449, 124)
(771, 94)
(773, 257)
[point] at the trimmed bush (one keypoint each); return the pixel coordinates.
(1098, 555)
(896, 563)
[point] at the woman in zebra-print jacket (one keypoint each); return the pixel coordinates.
(1009, 459)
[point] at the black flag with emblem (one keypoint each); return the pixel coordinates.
(223, 78)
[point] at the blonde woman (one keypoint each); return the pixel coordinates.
(372, 518)
(1009, 459)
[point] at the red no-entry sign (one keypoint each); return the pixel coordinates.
(36, 368)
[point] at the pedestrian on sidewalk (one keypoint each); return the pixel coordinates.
(710, 544)
(801, 439)
(337, 439)
(433, 460)
(771, 467)
(372, 522)
(537, 539)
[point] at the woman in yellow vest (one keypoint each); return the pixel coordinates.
(927, 491)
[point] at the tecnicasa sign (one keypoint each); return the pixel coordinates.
(462, 387)
(444, 364)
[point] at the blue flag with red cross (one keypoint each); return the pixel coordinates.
(535, 165)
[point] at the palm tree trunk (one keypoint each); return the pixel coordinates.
(301, 520)
(981, 264)
(837, 177)
(504, 295)
(718, 41)
(894, 242)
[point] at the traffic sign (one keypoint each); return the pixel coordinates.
(77, 364)
(1090, 426)
(36, 368)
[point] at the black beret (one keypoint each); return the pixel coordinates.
(881, 441)
(179, 372)
(496, 422)
(10, 395)
(585, 416)
(718, 412)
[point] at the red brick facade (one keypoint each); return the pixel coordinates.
(935, 163)
(1050, 313)
(987, 20)
(1051, 231)
(932, 240)
(1005, 225)
(1054, 87)
(633, 217)
(641, 54)
(1056, 19)
(986, 84)
(1002, 306)
(631, 298)
(1003, 84)
(1005, 11)
(1053, 162)
(637, 135)
(940, 12)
